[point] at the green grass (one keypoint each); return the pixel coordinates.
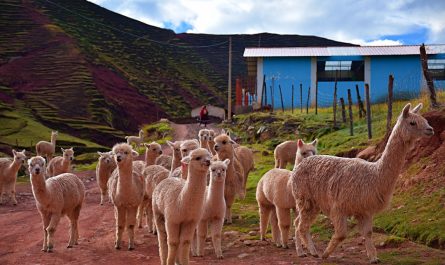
(160, 131)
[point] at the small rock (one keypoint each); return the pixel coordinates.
(248, 242)
(382, 244)
(243, 255)
(253, 233)
(231, 233)
(265, 153)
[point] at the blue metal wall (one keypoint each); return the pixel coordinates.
(286, 71)
(326, 92)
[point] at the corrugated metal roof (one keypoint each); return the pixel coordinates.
(342, 51)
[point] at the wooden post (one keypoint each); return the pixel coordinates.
(390, 98)
(316, 98)
(335, 102)
(281, 97)
(264, 92)
(361, 108)
(429, 80)
(229, 96)
(368, 111)
(271, 98)
(351, 123)
(343, 110)
(292, 98)
(301, 98)
(308, 98)
(273, 94)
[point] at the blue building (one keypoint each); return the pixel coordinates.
(308, 67)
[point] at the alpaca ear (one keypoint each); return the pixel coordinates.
(63, 150)
(23, 151)
(147, 145)
(228, 133)
(100, 153)
(300, 143)
(29, 161)
(72, 149)
(186, 160)
(169, 143)
(232, 141)
(226, 162)
(314, 142)
(405, 111)
(223, 131)
(134, 153)
(417, 108)
(196, 141)
(14, 152)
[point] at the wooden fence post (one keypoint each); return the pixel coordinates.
(264, 92)
(335, 103)
(390, 98)
(361, 108)
(316, 98)
(301, 97)
(351, 122)
(292, 98)
(308, 98)
(271, 98)
(343, 110)
(273, 93)
(281, 97)
(429, 80)
(368, 111)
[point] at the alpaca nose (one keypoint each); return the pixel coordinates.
(119, 158)
(37, 170)
(216, 148)
(160, 152)
(71, 158)
(429, 131)
(207, 162)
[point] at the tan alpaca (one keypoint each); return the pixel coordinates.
(203, 136)
(104, 168)
(168, 161)
(178, 207)
(344, 187)
(126, 190)
(235, 174)
(186, 147)
(137, 140)
(165, 161)
(8, 174)
(274, 197)
(57, 196)
(47, 149)
(60, 164)
(245, 157)
(152, 152)
(212, 135)
(214, 209)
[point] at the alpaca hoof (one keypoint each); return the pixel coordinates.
(49, 249)
(315, 255)
(302, 255)
(375, 261)
(130, 248)
(220, 257)
(324, 256)
(117, 246)
(101, 204)
(43, 249)
(285, 246)
(278, 245)
(139, 226)
(69, 246)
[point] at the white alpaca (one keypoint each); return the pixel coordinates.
(47, 149)
(137, 140)
(245, 157)
(186, 147)
(235, 174)
(57, 196)
(344, 187)
(214, 209)
(104, 168)
(8, 174)
(60, 164)
(178, 207)
(126, 190)
(203, 136)
(274, 197)
(212, 135)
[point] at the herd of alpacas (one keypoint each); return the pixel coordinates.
(182, 194)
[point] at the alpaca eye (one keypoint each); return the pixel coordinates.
(126, 153)
(154, 149)
(413, 123)
(184, 150)
(213, 170)
(198, 158)
(224, 142)
(304, 153)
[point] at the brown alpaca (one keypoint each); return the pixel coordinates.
(186, 147)
(344, 187)
(126, 190)
(178, 207)
(274, 197)
(47, 149)
(235, 174)
(60, 164)
(104, 168)
(245, 157)
(8, 174)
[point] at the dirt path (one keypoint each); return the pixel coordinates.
(21, 238)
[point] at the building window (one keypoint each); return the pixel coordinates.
(329, 71)
(436, 68)
(338, 66)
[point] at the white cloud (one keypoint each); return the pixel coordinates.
(365, 21)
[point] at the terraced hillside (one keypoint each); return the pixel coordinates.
(91, 72)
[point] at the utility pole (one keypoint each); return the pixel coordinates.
(229, 99)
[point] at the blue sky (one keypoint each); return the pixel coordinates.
(365, 22)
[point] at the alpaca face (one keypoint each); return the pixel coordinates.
(36, 165)
(413, 124)
(223, 143)
(176, 147)
(20, 157)
(106, 158)
(198, 159)
(123, 153)
(154, 148)
(54, 134)
(68, 154)
(307, 150)
(188, 146)
(203, 135)
(211, 135)
(218, 170)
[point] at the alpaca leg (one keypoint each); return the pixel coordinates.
(365, 228)
(341, 228)
(229, 202)
(195, 243)
(103, 194)
(140, 213)
(173, 242)
(131, 223)
(216, 226)
(284, 225)
(121, 214)
(13, 198)
(162, 237)
(201, 237)
(72, 232)
(307, 217)
(277, 163)
(1, 196)
(264, 220)
(51, 229)
(298, 243)
(76, 219)
(186, 236)
(46, 219)
(149, 217)
(276, 238)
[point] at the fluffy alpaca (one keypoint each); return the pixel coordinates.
(214, 209)
(235, 174)
(343, 187)
(285, 153)
(8, 174)
(178, 207)
(152, 152)
(104, 168)
(47, 149)
(56, 197)
(274, 197)
(203, 136)
(212, 135)
(245, 157)
(165, 161)
(60, 164)
(186, 147)
(176, 154)
(126, 190)
(137, 140)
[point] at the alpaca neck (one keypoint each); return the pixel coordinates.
(125, 179)
(298, 159)
(66, 163)
(204, 144)
(228, 154)
(39, 188)
(176, 161)
(150, 158)
(53, 141)
(392, 160)
(216, 191)
(15, 165)
(194, 187)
